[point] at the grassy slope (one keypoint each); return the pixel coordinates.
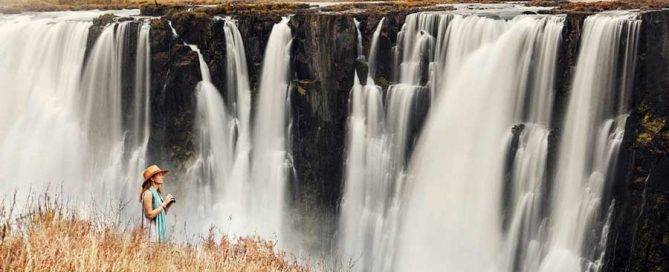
(50, 239)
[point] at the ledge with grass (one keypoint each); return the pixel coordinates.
(51, 238)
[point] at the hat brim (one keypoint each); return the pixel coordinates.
(156, 173)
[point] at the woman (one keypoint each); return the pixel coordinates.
(154, 206)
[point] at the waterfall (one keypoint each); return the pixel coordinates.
(212, 169)
(100, 104)
(270, 164)
(222, 168)
(463, 36)
(139, 133)
(366, 186)
(526, 191)
(61, 106)
(241, 176)
(358, 48)
(137, 138)
(373, 48)
(116, 150)
(591, 135)
(101, 87)
(376, 145)
(235, 193)
(457, 169)
(38, 105)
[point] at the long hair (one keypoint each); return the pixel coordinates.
(145, 186)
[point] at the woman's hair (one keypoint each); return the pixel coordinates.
(145, 186)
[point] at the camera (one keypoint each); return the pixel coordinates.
(174, 199)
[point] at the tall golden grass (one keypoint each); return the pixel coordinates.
(51, 238)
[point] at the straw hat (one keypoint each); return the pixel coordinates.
(152, 171)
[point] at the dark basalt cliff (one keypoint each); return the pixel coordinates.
(324, 53)
(174, 74)
(639, 236)
(324, 50)
(323, 63)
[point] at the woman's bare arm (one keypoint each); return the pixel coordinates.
(148, 210)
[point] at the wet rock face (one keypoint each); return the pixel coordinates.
(324, 50)
(128, 71)
(323, 62)
(255, 30)
(192, 27)
(387, 39)
(639, 236)
(566, 66)
(174, 74)
(208, 33)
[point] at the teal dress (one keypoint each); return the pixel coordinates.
(158, 223)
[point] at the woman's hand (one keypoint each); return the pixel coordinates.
(168, 200)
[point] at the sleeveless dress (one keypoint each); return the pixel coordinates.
(157, 227)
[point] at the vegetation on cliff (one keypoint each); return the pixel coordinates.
(594, 7)
(653, 132)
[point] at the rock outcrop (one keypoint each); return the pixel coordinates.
(174, 74)
(323, 61)
(639, 235)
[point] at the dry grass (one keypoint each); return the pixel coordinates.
(15, 6)
(592, 7)
(49, 238)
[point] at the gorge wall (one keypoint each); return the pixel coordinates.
(639, 237)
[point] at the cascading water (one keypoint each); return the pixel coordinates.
(363, 216)
(216, 127)
(270, 163)
(381, 136)
(371, 72)
(235, 194)
(414, 50)
(526, 191)
(215, 145)
(591, 136)
(39, 106)
(100, 108)
(358, 48)
(139, 130)
(380, 140)
(457, 170)
(62, 114)
(453, 202)
(244, 186)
